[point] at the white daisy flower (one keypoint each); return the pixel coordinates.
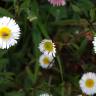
(94, 44)
(47, 47)
(46, 61)
(45, 94)
(9, 32)
(88, 83)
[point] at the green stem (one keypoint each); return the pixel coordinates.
(60, 67)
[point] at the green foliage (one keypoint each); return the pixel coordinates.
(68, 26)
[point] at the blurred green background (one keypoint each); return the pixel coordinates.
(71, 27)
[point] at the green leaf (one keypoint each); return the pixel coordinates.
(14, 93)
(2, 53)
(58, 13)
(5, 82)
(82, 47)
(25, 5)
(42, 29)
(92, 14)
(36, 40)
(30, 74)
(3, 63)
(76, 8)
(5, 12)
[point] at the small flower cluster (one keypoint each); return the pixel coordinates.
(48, 49)
(88, 80)
(88, 83)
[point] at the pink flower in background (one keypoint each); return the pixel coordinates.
(57, 2)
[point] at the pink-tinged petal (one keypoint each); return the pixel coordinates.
(57, 2)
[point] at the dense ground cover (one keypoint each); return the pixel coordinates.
(71, 27)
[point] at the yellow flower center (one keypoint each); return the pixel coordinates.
(48, 46)
(46, 60)
(5, 33)
(89, 83)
